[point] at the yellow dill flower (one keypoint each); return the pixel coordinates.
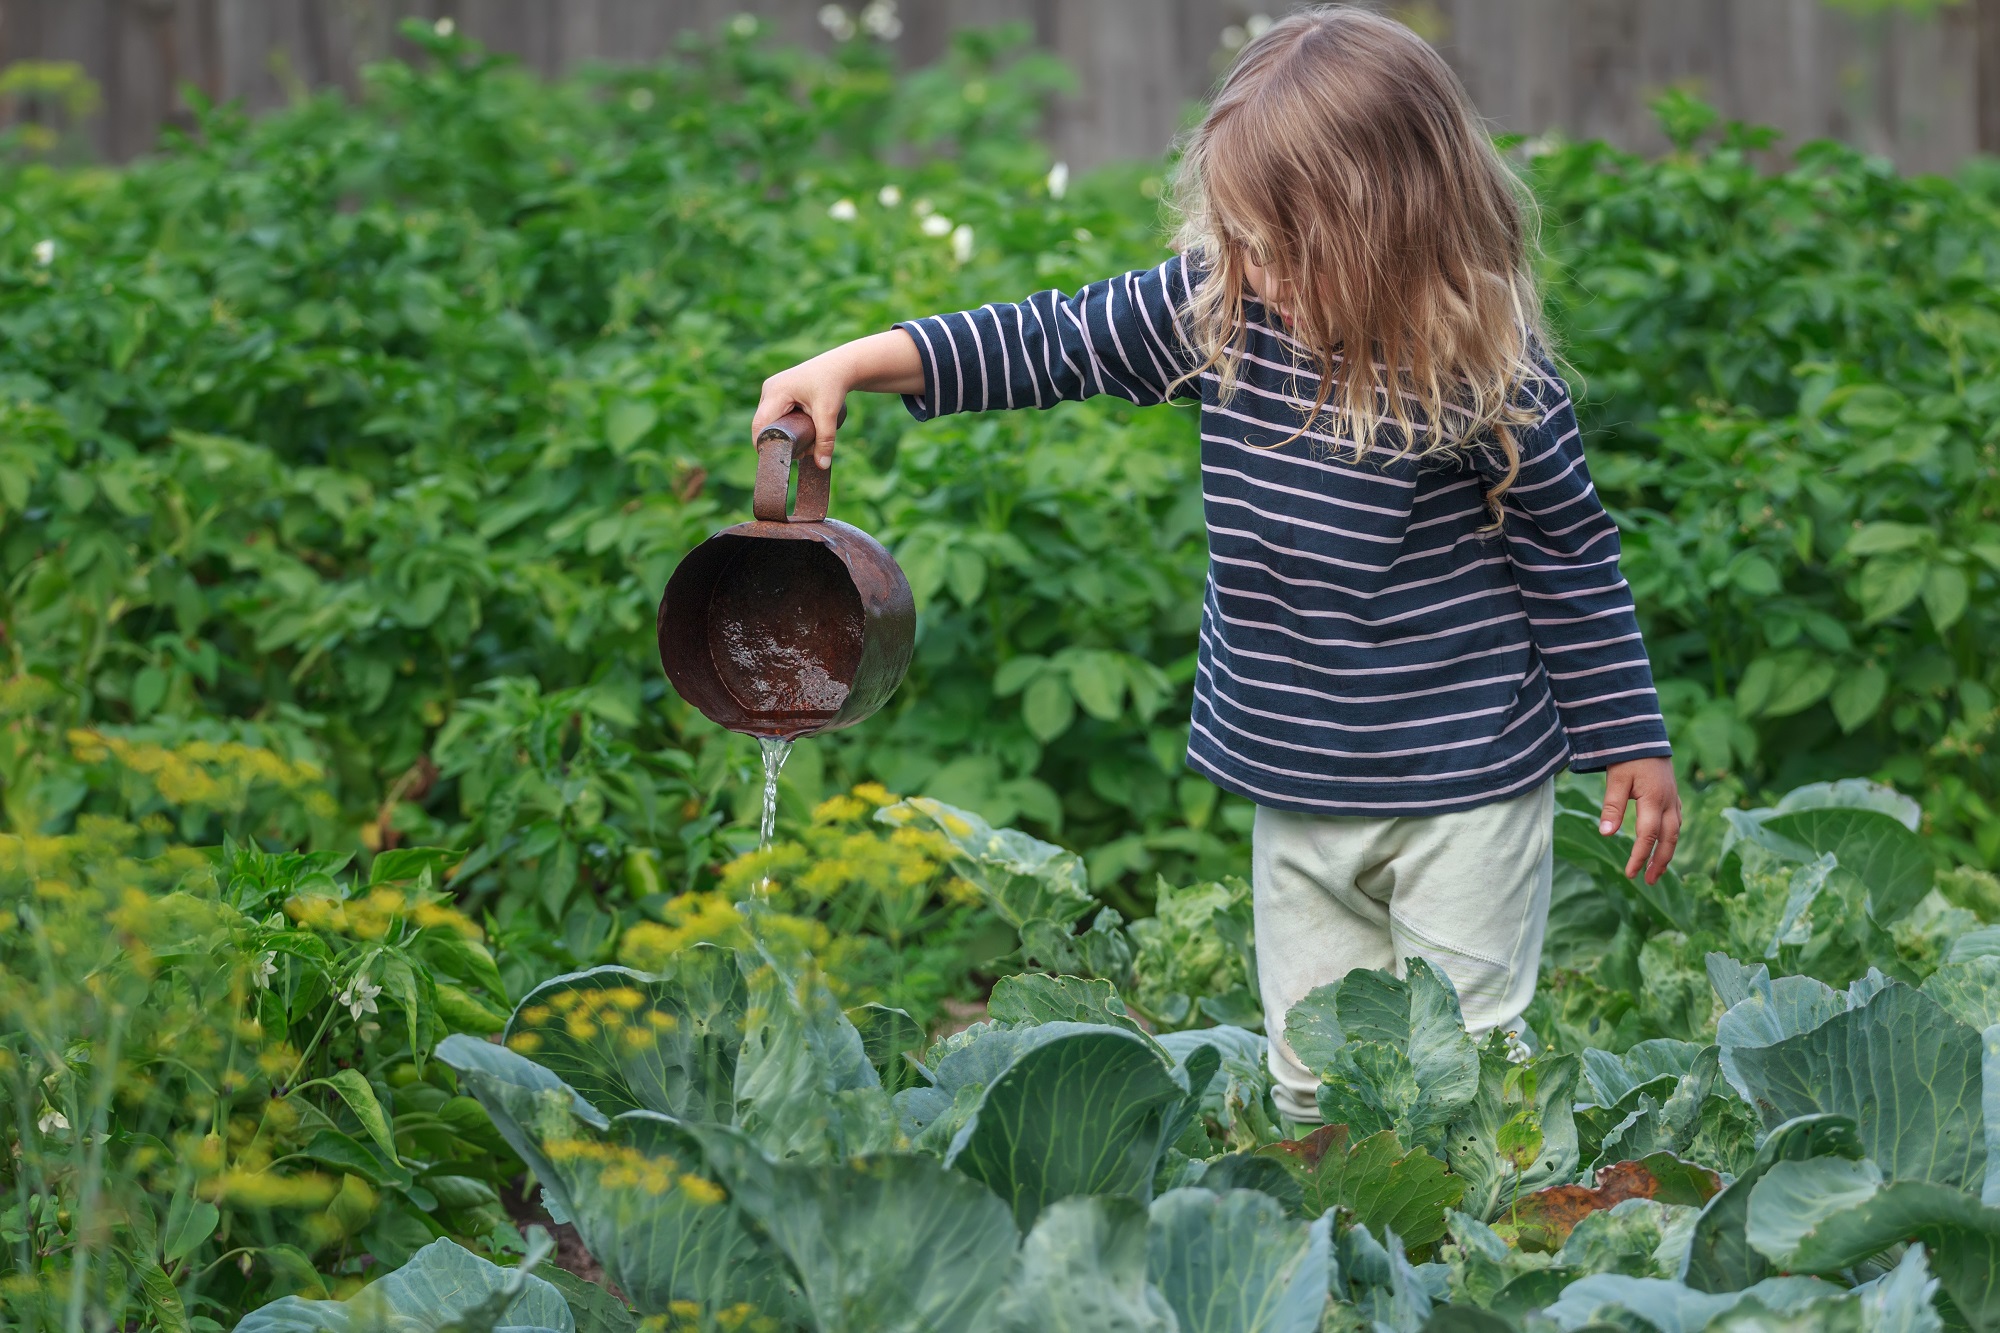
(875, 794)
(524, 1043)
(701, 1191)
(839, 810)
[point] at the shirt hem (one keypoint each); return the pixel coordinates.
(1307, 796)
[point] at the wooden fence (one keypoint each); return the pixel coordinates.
(1925, 90)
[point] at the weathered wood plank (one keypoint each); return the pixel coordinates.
(1907, 86)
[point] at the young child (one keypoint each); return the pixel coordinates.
(1414, 616)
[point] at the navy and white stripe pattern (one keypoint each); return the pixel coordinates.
(1366, 649)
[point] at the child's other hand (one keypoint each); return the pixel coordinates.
(1650, 782)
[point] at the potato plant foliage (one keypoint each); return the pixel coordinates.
(367, 902)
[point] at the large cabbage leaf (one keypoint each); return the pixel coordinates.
(886, 1243)
(1719, 1256)
(1391, 1053)
(1235, 1263)
(1023, 879)
(443, 1285)
(631, 1041)
(1905, 1071)
(1083, 1270)
(1827, 1214)
(1088, 1111)
(1382, 1184)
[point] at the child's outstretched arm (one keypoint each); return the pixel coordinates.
(1564, 551)
(1119, 336)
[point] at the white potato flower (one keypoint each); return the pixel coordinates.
(1058, 180)
(880, 21)
(45, 252)
(836, 21)
(961, 243)
(889, 196)
(843, 210)
(937, 224)
(445, 26)
(359, 997)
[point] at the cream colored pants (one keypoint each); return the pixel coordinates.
(1467, 891)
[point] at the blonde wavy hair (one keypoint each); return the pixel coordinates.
(1342, 155)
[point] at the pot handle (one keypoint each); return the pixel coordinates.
(787, 441)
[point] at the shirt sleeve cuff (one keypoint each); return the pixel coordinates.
(1599, 748)
(923, 406)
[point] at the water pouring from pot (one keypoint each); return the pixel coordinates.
(791, 624)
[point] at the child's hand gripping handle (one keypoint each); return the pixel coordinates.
(786, 442)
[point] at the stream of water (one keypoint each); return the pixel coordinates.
(775, 754)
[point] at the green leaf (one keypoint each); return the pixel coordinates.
(1880, 538)
(355, 1090)
(965, 575)
(1858, 694)
(627, 1041)
(1894, 863)
(804, 1086)
(1085, 1113)
(654, 1206)
(522, 1099)
(444, 1285)
(1036, 998)
(1250, 1171)
(1577, 841)
(1888, 584)
(1754, 690)
(1385, 1187)
(1047, 708)
(149, 687)
(1083, 1270)
(163, 1300)
(1234, 1263)
(1016, 672)
(885, 1244)
(402, 864)
(888, 1036)
(1719, 1256)
(1668, 1307)
(1407, 1063)
(1969, 991)
(190, 1221)
(1099, 681)
(1313, 1031)
(1905, 1071)
(1518, 1133)
(1946, 593)
(1023, 879)
(1826, 1215)
(1799, 690)
(595, 1309)
(627, 423)
(462, 1011)
(330, 1147)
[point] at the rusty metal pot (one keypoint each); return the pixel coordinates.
(794, 623)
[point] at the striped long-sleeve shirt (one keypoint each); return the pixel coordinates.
(1368, 646)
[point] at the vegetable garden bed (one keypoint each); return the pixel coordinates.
(342, 457)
